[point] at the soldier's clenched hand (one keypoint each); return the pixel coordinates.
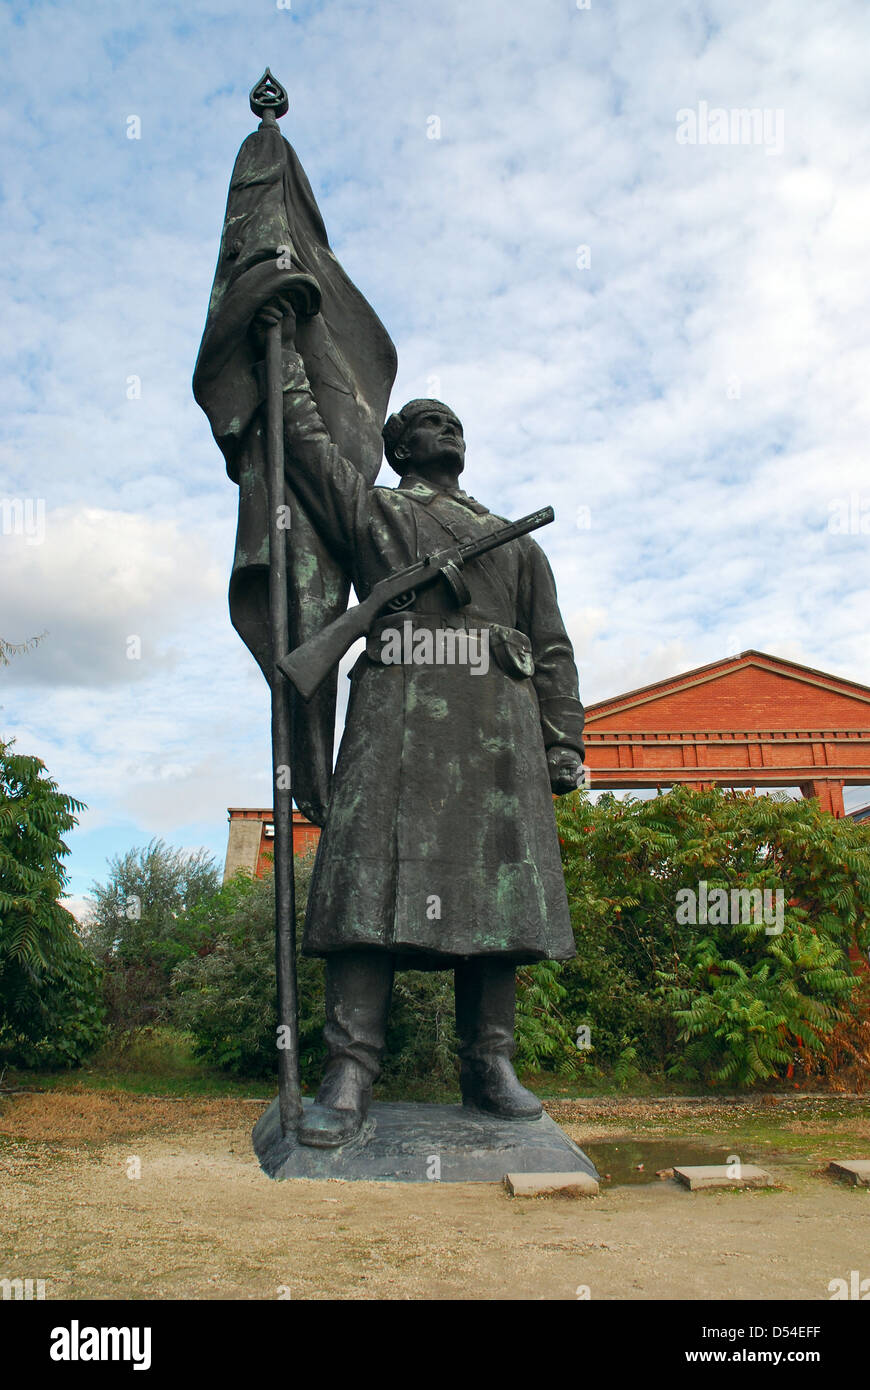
(566, 770)
(278, 309)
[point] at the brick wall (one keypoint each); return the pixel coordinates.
(250, 839)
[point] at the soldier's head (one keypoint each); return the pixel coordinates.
(425, 437)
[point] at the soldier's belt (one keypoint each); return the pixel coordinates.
(510, 649)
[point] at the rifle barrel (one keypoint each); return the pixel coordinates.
(533, 522)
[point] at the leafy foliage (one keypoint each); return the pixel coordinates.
(141, 924)
(142, 914)
(544, 1038)
(50, 1011)
(10, 649)
(421, 1034)
(845, 1062)
(225, 995)
(726, 1003)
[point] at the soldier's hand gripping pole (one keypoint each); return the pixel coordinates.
(289, 1094)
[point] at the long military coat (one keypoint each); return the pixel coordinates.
(440, 839)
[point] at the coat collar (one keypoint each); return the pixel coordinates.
(421, 491)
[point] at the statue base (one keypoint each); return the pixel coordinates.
(405, 1142)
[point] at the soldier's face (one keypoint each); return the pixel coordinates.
(435, 439)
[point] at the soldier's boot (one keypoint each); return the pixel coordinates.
(485, 1016)
(358, 988)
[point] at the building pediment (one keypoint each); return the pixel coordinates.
(748, 720)
(753, 691)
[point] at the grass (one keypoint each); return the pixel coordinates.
(161, 1061)
(158, 1062)
(808, 1132)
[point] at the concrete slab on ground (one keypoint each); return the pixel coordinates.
(722, 1175)
(404, 1142)
(857, 1170)
(551, 1184)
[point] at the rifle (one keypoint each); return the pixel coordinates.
(311, 663)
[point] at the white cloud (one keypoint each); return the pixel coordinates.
(108, 588)
(610, 387)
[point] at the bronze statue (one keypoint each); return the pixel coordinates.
(439, 849)
(439, 846)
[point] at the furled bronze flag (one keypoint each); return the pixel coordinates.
(272, 222)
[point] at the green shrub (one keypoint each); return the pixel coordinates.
(225, 996)
(141, 925)
(50, 1008)
(52, 1016)
(717, 1002)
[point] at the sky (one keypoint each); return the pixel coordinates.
(647, 314)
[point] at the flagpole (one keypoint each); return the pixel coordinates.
(268, 100)
(269, 207)
(289, 1093)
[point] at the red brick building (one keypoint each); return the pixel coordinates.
(251, 837)
(748, 721)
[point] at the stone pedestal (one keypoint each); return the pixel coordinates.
(404, 1142)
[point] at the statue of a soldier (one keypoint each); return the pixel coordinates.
(439, 846)
(439, 849)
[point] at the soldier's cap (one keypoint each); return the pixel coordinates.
(398, 425)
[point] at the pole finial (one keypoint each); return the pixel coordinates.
(268, 98)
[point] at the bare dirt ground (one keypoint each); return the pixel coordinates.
(203, 1222)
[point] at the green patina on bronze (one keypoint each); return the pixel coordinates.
(439, 845)
(442, 791)
(350, 363)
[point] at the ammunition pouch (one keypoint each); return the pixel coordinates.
(510, 650)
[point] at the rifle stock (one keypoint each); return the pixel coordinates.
(309, 665)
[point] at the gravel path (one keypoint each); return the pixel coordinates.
(202, 1222)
